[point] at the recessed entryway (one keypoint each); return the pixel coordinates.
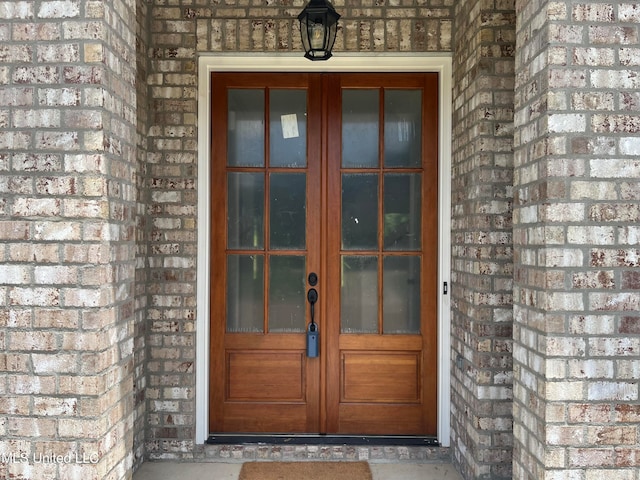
(334, 392)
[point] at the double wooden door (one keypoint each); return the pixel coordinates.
(324, 186)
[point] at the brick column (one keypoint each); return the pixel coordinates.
(67, 252)
(481, 238)
(576, 235)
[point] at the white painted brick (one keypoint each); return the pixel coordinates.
(561, 301)
(592, 325)
(591, 368)
(58, 9)
(591, 235)
(623, 79)
(54, 275)
(34, 296)
(556, 369)
(623, 301)
(36, 118)
(564, 474)
(628, 369)
(609, 474)
(560, 257)
(631, 146)
(629, 235)
(565, 435)
(629, 56)
(563, 123)
(14, 274)
(564, 212)
(55, 406)
(565, 347)
(629, 12)
(614, 347)
(52, 363)
(612, 391)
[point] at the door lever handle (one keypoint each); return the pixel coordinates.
(312, 331)
(312, 297)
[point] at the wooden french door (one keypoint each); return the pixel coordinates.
(324, 182)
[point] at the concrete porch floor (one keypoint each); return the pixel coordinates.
(162, 470)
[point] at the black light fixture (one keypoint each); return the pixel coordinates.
(318, 27)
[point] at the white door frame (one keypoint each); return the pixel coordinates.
(413, 62)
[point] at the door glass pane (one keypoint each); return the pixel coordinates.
(360, 211)
(287, 222)
(402, 211)
(245, 130)
(402, 127)
(288, 128)
(245, 210)
(245, 293)
(360, 127)
(401, 294)
(287, 298)
(359, 294)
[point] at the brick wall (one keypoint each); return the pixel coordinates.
(141, 232)
(67, 243)
(482, 258)
(576, 236)
(98, 224)
(178, 34)
(365, 26)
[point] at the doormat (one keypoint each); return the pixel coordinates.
(305, 471)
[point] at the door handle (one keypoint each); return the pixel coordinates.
(312, 331)
(312, 297)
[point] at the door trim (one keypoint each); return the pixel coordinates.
(414, 62)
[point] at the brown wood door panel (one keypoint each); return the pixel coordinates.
(268, 418)
(265, 376)
(376, 377)
(361, 383)
(261, 381)
(376, 419)
(411, 410)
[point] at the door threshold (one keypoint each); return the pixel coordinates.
(318, 439)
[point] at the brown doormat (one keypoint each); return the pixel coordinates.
(305, 471)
